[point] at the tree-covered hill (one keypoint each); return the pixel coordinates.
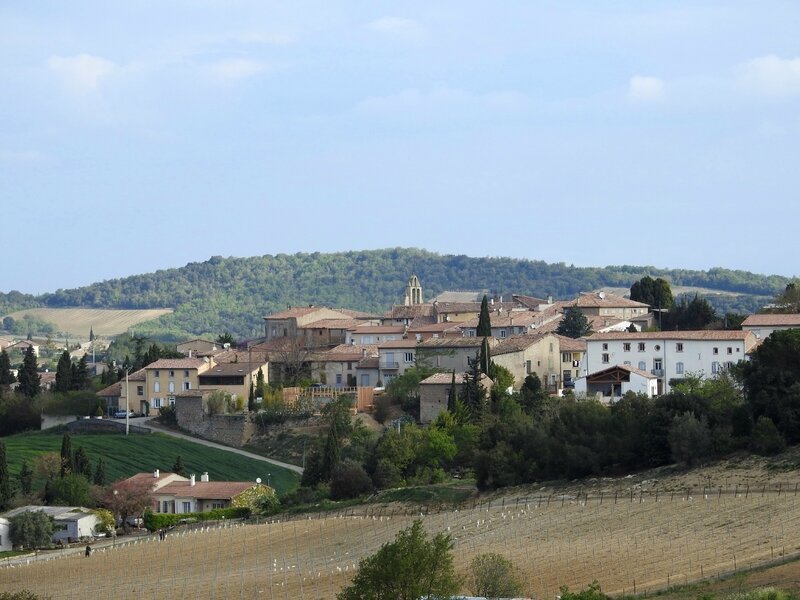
(232, 294)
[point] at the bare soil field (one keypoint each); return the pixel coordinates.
(633, 534)
(105, 323)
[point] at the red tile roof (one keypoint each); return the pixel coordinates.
(206, 490)
(772, 320)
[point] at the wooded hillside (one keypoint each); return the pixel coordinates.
(232, 294)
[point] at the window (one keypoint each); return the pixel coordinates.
(158, 373)
(471, 333)
(365, 380)
(605, 346)
(171, 400)
(186, 373)
(187, 507)
(728, 365)
(566, 357)
(408, 357)
(730, 350)
(338, 379)
(156, 402)
(140, 390)
(626, 347)
(171, 387)
(715, 350)
(657, 365)
(627, 362)
(641, 346)
(528, 366)
(187, 385)
(679, 347)
(679, 368)
(551, 346)
(349, 366)
(172, 373)
(156, 386)
(658, 348)
(502, 333)
(642, 365)
(715, 366)
(217, 505)
(605, 358)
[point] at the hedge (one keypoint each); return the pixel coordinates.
(154, 521)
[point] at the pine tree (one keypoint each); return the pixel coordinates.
(484, 322)
(25, 478)
(6, 376)
(574, 324)
(64, 373)
(29, 378)
(66, 455)
(5, 482)
(178, 467)
(80, 375)
(100, 473)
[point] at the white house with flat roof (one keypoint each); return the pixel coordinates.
(669, 355)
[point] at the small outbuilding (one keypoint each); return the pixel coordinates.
(609, 385)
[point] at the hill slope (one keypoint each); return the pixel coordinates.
(232, 294)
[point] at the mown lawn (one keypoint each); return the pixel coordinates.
(124, 456)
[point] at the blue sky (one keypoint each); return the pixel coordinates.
(143, 135)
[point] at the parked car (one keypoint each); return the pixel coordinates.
(121, 414)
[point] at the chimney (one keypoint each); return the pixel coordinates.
(549, 299)
(204, 477)
(190, 353)
(156, 474)
(191, 479)
(491, 301)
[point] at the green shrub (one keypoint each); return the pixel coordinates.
(765, 438)
(349, 480)
(154, 521)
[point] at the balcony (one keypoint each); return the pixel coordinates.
(389, 364)
(657, 372)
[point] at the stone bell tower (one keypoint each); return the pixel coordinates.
(413, 292)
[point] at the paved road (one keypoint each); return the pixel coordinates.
(145, 422)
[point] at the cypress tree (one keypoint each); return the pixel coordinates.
(451, 394)
(178, 467)
(484, 322)
(485, 358)
(29, 378)
(100, 473)
(80, 375)
(5, 483)
(81, 463)
(64, 373)
(25, 478)
(66, 455)
(6, 376)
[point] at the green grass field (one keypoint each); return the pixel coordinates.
(124, 456)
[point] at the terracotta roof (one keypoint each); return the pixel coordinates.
(777, 320)
(115, 389)
(409, 312)
(431, 327)
(702, 334)
(242, 368)
(628, 368)
(594, 300)
(515, 343)
(598, 322)
(369, 362)
(176, 363)
(470, 307)
(568, 344)
(207, 490)
(454, 342)
(528, 301)
(295, 311)
(332, 324)
(443, 379)
(242, 356)
(517, 318)
(347, 353)
(412, 343)
(357, 314)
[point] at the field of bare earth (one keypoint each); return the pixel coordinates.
(633, 535)
(105, 323)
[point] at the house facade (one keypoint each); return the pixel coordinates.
(395, 358)
(191, 496)
(286, 323)
(603, 304)
(71, 523)
(762, 326)
(526, 354)
(450, 353)
(609, 385)
(669, 355)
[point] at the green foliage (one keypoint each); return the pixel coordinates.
(5, 480)
(177, 466)
(484, 322)
(81, 463)
(689, 439)
(17, 413)
(574, 324)
(655, 292)
(22, 595)
(69, 490)
(154, 521)
(107, 523)
(168, 415)
(6, 376)
(64, 373)
(686, 314)
(494, 576)
(766, 439)
(592, 592)
(29, 325)
(25, 477)
(99, 477)
(217, 402)
(28, 375)
(349, 480)
(67, 465)
(473, 394)
(409, 568)
(787, 301)
(31, 529)
(80, 375)
(413, 456)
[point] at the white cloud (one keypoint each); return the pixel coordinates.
(399, 27)
(645, 89)
(771, 76)
(236, 69)
(81, 73)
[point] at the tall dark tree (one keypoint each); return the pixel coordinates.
(25, 478)
(178, 468)
(80, 374)
(473, 394)
(655, 292)
(788, 301)
(6, 376)
(484, 321)
(451, 393)
(91, 334)
(81, 464)
(689, 315)
(66, 455)
(99, 473)
(5, 480)
(29, 378)
(226, 338)
(574, 324)
(485, 357)
(64, 373)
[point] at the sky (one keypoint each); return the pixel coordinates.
(137, 136)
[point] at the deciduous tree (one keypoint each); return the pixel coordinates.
(494, 576)
(409, 568)
(31, 529)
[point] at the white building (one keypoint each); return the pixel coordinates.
(72, 523)
(609, 385)
(763, 325)
(669, 354)
(5, 538)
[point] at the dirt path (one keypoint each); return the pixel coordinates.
(148, 424)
